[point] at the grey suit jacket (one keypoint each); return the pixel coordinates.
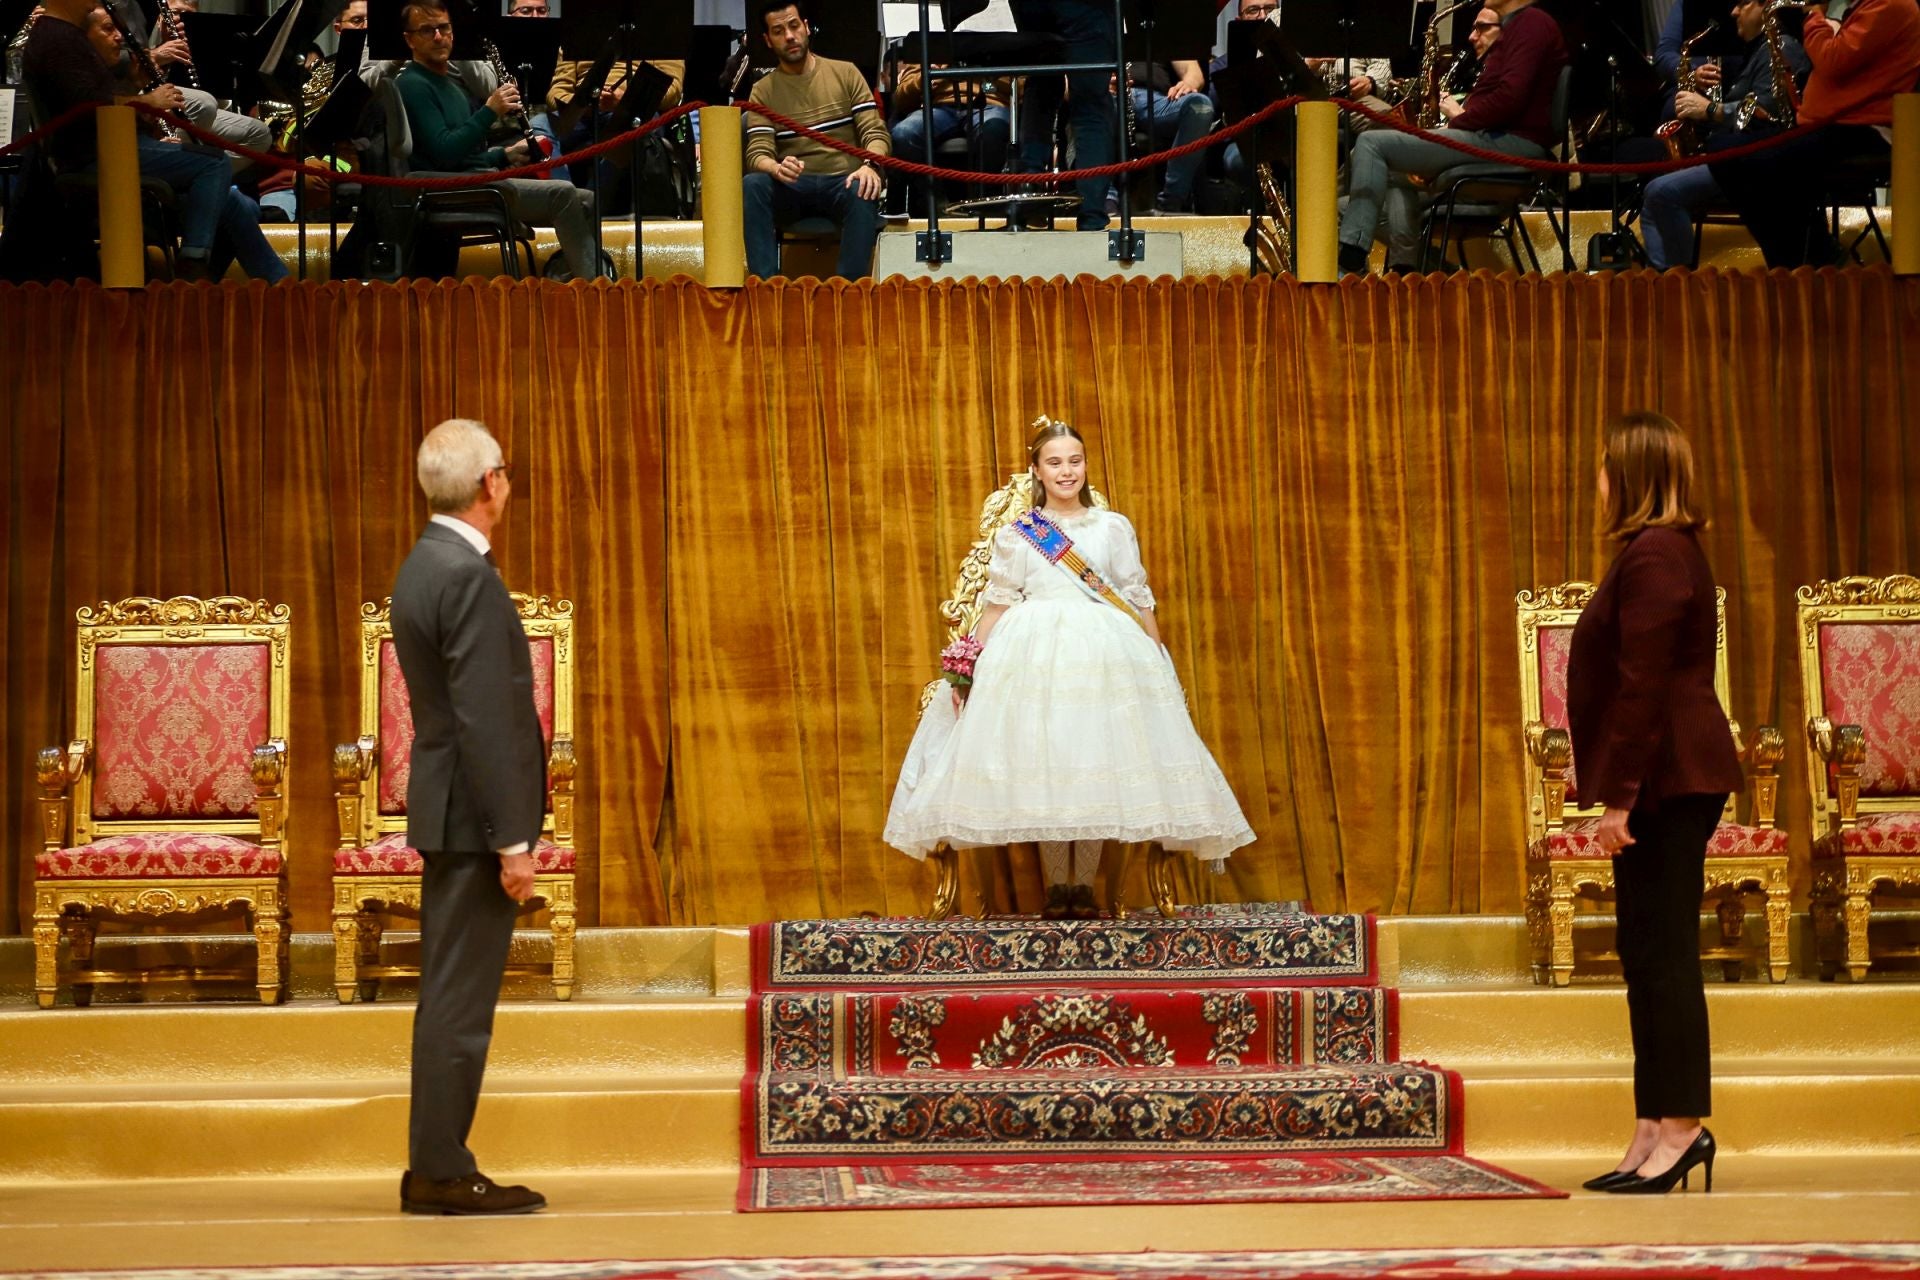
(478, 779)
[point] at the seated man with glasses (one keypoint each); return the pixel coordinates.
(450, 136)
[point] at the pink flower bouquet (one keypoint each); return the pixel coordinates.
(956, 662)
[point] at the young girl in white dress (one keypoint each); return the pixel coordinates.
(1075, 730)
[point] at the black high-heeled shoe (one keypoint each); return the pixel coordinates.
(1609, 1180)
(1699, 1152)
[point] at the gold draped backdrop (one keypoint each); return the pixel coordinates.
(757, 499)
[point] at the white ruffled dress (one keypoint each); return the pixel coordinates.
(1075, 727)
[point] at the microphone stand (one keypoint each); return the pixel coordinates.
(1616, 249)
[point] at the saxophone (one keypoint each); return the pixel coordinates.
(170, 29)
(1786, 94)
(1426, 91)
(1272, 230)
(1682, 137)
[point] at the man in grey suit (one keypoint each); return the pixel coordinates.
(475, 803)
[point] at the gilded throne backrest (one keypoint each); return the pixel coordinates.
(1546, 617)
(961, 611)
(174, 699)
(1860, 666)
(386, 716)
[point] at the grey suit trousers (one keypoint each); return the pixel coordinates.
(466, 926)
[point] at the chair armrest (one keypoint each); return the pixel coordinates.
(1843, 749)
(1552, 751)
(57, 769)
(269, 769)
(352, 766)
(1763, 753)
(562, 763)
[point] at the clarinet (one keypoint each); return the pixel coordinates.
(143, 60)
(518, 122)
(170, 29)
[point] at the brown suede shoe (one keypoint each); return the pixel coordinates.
(475, 1194)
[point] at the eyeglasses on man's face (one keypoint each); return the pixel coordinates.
(1486, 26)
(433, 32)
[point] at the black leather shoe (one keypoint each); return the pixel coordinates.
(474, 1195)
(1609, 1180)
(1700, 1152)
(1059, 906)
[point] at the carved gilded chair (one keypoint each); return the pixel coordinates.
(1860, 669)
(168, 802)
(376, 874)
(961, 612)
(1565, 863)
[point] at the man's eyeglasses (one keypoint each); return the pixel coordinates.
(437, 29)
(1486, 26)
(504, 469)
(354, 22)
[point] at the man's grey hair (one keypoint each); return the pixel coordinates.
(454, 458)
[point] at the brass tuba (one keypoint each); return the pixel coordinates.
(1272, 229)
(1682, 137)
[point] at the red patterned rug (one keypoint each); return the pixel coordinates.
(1277, 1180)
(1599, 1262)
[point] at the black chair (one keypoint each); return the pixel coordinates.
(1853, 184)
(1487, 198)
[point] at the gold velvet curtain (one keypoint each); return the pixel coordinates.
(757, 499)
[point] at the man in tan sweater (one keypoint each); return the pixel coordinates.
(790, 176)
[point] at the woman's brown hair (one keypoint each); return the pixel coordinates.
(1047, 430)
(1649, 468)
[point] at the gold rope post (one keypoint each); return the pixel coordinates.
(123, 250)
(1905, 193)
(1316, 163)
(722, 199)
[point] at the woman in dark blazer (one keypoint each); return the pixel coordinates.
(1652, 744)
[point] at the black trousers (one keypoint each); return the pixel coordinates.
(466, 926)
(1775, 190)
(1658, 881)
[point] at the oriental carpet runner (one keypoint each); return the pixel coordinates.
(1224, 1055)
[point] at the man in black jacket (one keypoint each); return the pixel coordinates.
(475, 804)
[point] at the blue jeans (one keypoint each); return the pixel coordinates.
(1087, 28)
(990, 132)
(1174, 123)
(772, 204)
(1667, 207)
(211, 207)
(1378, 156)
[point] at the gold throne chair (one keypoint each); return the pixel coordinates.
(1860, 671)
(168, 803)
(376, 874)
(1565, 863)
(961, 612)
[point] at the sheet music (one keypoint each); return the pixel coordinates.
(899, 18)
(6, 115)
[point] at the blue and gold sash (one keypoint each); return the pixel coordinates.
(1053, 544)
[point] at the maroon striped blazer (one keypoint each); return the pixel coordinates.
(1645, 720)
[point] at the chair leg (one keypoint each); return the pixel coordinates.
(1779, 921)
(270, 944)
(946, 888)
(1560, 914)
(560, 919)
(46, 954)
(1824, 907)
(1162, 880)
(1732, 911)
(79, 931)
(1539, 937)
(1855, 908)
(346, 947)
(1118, 870)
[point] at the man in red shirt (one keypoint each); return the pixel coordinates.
(1510, 111)
(1860, 61)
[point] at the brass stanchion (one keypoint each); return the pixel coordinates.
(123, 243)
(1316, 192)
(722, 234)
(1904, 193)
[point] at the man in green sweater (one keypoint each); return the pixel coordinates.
(790, 176)
(450, 135)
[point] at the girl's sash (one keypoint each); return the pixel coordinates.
(1046, 537)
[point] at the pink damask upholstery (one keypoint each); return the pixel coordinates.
(175, 727)
(396, 718)
(1870, 676)
(1556, 643)
(1731, 840)
(392, 856)
(1883, 835)
(160, 855)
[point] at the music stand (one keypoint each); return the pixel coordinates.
(708, 51)
(529, 49)
(1349, 32)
